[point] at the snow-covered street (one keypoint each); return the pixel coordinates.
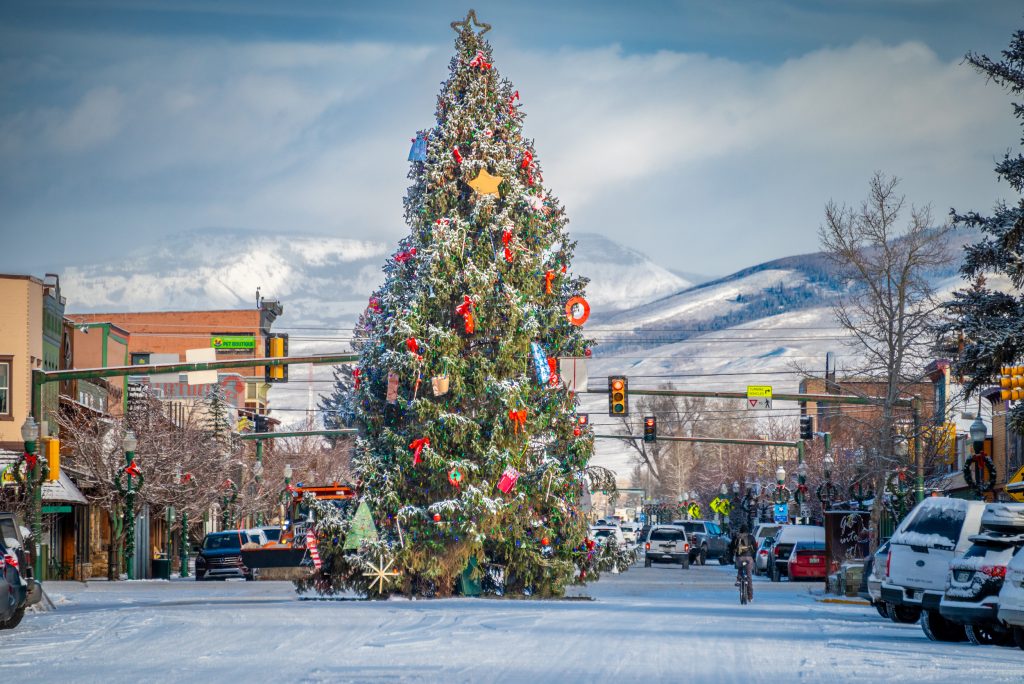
(650, 624)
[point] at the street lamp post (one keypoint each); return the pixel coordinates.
(978, 433)
(34, 491)
(801, 490)
(183, 549)
(257, 471)
(723, 492)
(284, 494)
(781, 491)
(130, 443)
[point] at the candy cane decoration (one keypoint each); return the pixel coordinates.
(314, 552)
(478, 61)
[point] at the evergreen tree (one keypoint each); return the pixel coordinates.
(457, 389)
(992, 321)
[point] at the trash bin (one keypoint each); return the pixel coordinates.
(161, 568)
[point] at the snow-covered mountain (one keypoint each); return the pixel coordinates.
(756, 326)
(320, 279)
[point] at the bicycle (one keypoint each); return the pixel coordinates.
(744, 581)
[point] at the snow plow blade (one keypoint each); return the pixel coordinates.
(284, 557)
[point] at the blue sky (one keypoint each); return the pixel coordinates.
(707, 133)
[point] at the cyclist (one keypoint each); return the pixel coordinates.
(744, 547)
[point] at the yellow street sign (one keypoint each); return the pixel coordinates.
(694, 511)
(759, 391)
(1015, 486)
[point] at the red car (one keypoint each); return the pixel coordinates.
(807, 561)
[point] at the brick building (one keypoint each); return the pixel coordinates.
(165, 336)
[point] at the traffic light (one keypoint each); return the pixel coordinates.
(806, 427)
(53, 458)
(1011, 383)
(650, 428)
(276, 347)
(618, 395)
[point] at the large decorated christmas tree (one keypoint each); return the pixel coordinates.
(470, 454)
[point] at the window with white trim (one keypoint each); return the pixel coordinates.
(5, 388)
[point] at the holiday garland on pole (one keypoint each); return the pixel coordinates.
(469, 453)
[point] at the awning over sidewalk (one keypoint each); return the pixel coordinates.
(59, 491)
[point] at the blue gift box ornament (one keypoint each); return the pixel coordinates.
(419, 147)
(540, 361)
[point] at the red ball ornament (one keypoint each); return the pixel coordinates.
(544, 541)
(576, 432)
(437, 517)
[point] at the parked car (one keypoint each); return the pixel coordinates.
(970, 604)
(807, 561)
(785, 539)
(874, 571)
(1011, 598)
(766, 530)
(707, 540)
(631, 531)
(257, 536)
(937, 530)
(763, 555)
(21, 588)
(221, 557)
(602, 533)
(13, 590)
(667, 544)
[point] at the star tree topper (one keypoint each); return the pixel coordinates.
(485, 183)
(460, 26)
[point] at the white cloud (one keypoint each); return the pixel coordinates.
(706, 163)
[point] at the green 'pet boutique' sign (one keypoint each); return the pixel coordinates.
(240, 342)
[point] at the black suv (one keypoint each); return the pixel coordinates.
(18, 589)
(221, 557)
(707, 540)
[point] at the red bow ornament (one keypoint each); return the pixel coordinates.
(413, 345)
(465, 309)
(132, 469)
(374, 305)
(478, 61)
(506, 239)
(518, 419)
(548, 277)
(31, 460)
(457, 155)
(417, 449)
(527, 164)
(512, 107)
(553, 378)
(402, 257)
(355, 377)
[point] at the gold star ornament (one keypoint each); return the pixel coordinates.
(380, 574)
(485, 183)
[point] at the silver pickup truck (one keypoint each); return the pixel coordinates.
(707, 540)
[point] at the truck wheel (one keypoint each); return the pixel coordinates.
(938, 628)
(883, 610)
(703, 557)
(904, 615)
(12, 622)
(1018, 636)
(980, 636)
